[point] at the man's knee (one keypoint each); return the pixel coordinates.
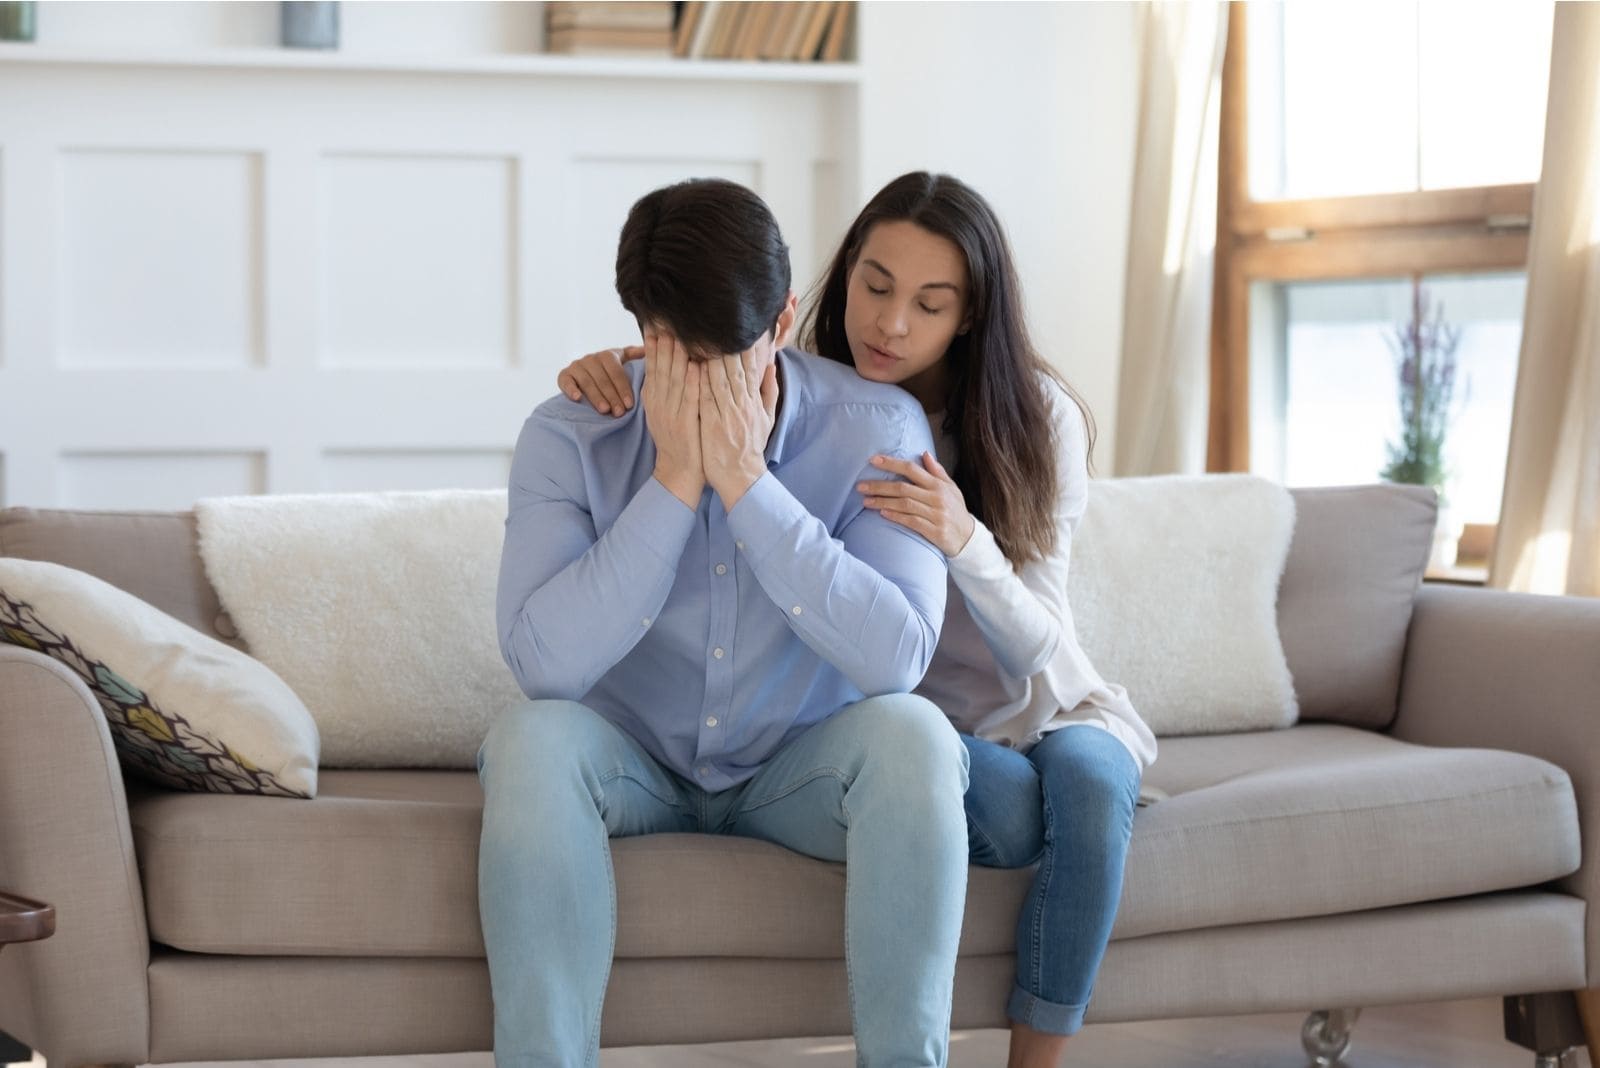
(913, 736)
(535, 737)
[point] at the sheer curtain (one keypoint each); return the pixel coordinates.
(1549, 532)
(1166, 320)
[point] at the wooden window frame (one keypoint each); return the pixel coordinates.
(1382, 236)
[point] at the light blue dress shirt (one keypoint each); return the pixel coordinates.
(714, 637)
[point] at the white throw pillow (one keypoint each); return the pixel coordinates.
(1174, 591)
(378, 608)
(184, 709)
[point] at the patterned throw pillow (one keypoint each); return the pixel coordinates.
(184, 709)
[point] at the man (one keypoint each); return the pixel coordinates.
(741, 633)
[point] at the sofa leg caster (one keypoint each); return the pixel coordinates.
(1548, 1024)
(1326, 1036)
(1568, 1059)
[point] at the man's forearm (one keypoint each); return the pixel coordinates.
(561, 634)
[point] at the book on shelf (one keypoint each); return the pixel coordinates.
(705, 25)
(833, 47)
(783, 30)
(591, 42)
(778, 39)
(689, 16)
(738, 12)
(790, 48)
(608, 15)
(756, 28)
(816, 30)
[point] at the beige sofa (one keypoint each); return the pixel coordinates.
(1427, 832)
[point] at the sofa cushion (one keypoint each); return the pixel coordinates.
(1145, 601)
(1310, 821)
(1344, 604)
(183, 708)
(378, 608)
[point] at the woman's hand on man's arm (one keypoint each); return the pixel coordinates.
(928, 501)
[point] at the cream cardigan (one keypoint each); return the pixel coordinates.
(1008, 667)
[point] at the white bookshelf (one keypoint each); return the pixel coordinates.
(533, 65)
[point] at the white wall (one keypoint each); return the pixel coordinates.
(1034, 105)
(167, 259)
(230, 269)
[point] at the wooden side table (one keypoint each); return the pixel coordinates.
(22, 920)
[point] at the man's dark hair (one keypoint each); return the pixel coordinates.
(705, 259)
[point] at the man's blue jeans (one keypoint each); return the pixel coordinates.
(878, 786)
(1067, 803)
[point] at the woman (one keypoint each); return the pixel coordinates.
(923, 294)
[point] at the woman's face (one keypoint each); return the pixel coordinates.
(906, 299)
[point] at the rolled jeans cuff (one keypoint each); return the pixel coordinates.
(1042, 1015)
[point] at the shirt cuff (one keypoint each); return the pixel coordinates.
(766, 510)
(658, 520)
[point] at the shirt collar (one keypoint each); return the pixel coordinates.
(788, 406)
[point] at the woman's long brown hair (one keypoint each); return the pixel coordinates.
(995, 408)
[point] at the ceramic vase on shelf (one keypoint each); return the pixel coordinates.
(313, 24)
(18, 21)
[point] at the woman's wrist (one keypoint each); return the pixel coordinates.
(963, 538)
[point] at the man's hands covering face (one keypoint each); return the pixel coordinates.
(710, 419)
(671, 395)
(738, 404)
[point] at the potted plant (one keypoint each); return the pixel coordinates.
(1425, 366)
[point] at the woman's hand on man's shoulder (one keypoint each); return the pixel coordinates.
(599, 379)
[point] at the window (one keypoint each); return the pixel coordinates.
(1369, 151)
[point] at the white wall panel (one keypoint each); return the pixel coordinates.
(160, 258)
(419, 264)
(402, 469)
(170, 480)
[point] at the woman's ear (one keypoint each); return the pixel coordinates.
(782, 332)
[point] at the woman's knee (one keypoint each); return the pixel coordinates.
(1005, 819)
(1089, 781)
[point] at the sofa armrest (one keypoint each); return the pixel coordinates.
(81, 996)
(1496, 670)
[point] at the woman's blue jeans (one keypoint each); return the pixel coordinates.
(878, 786)
(1067, 803)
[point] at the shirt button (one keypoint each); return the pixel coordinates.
(711, 721)
(738, 545)
(722, 569)
(796, 610)
(717, 652)
(702, 771)
(645, 622)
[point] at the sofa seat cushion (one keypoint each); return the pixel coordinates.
(1310, 821)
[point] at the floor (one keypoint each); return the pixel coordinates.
(1459, 1034)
